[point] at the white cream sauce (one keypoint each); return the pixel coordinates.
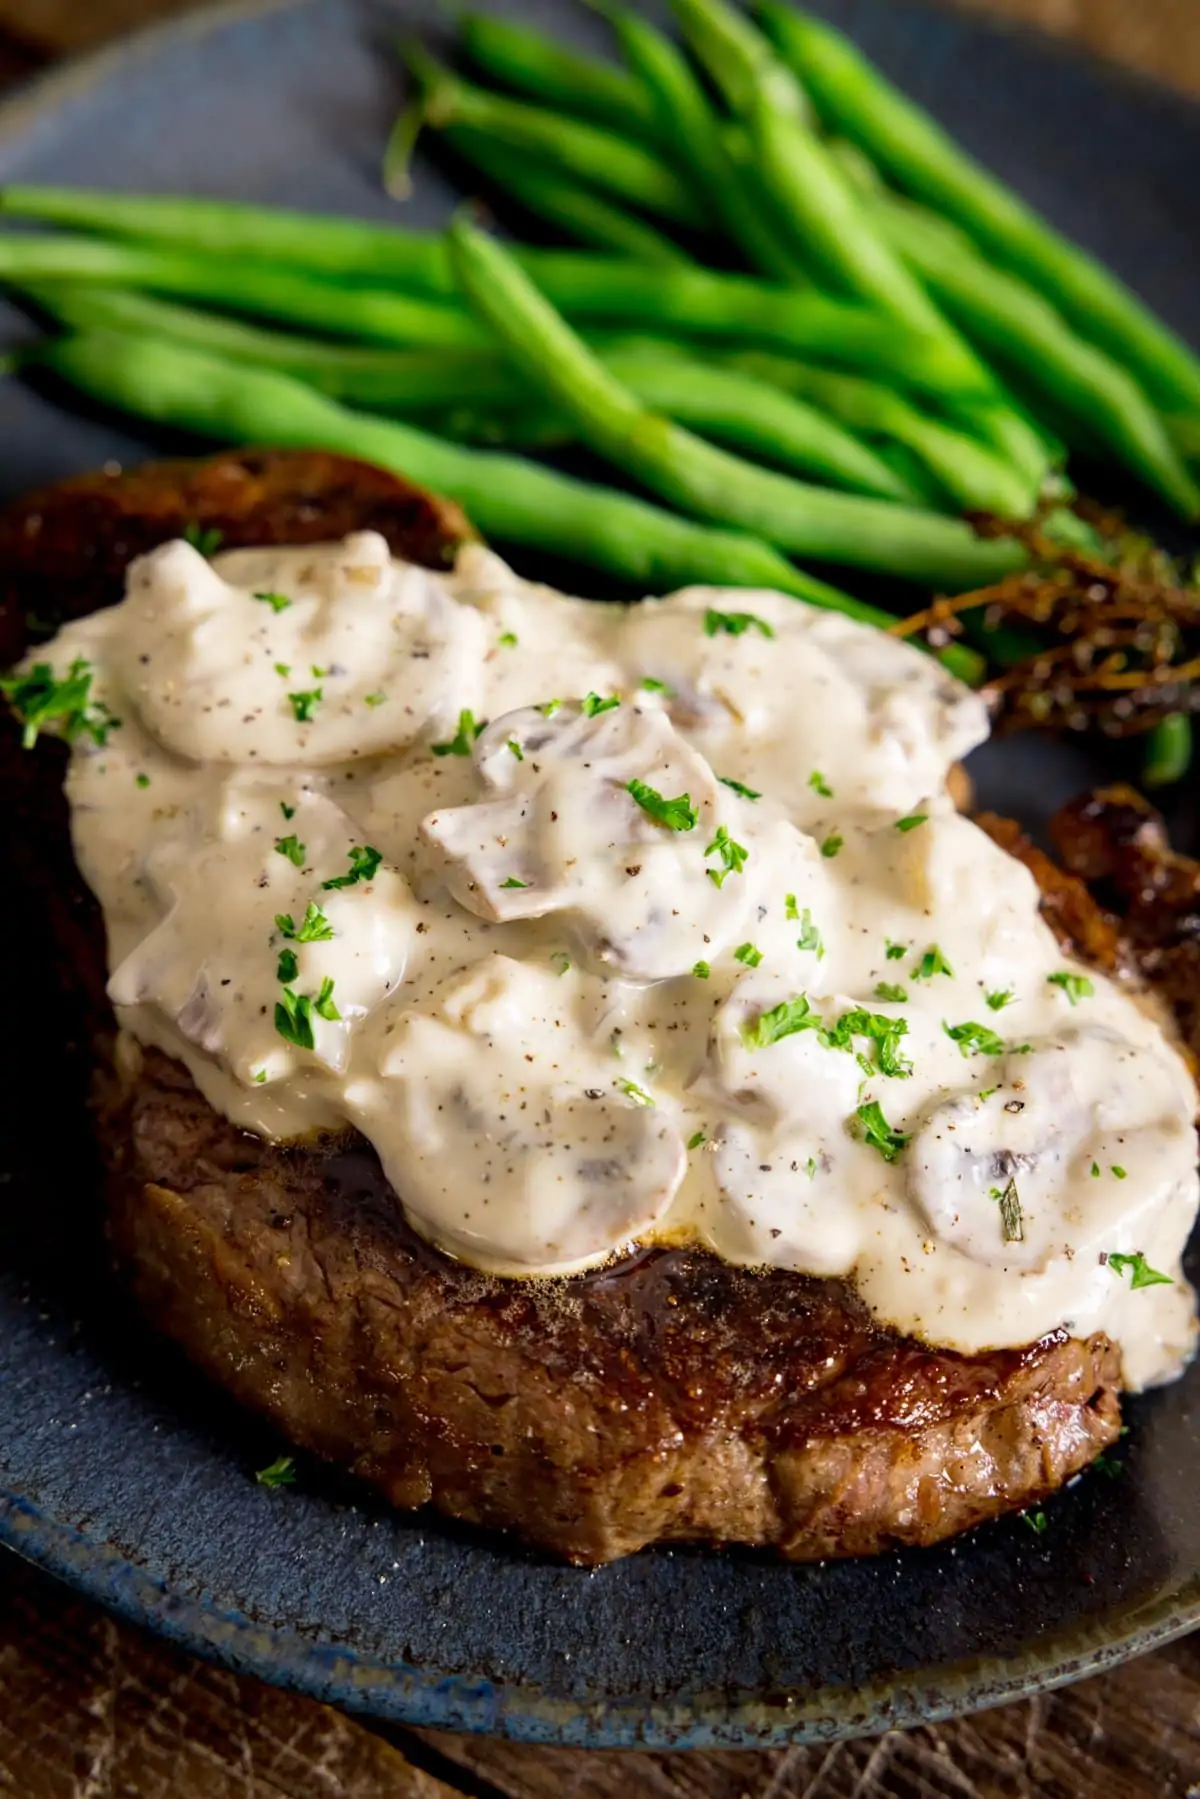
(711, 964)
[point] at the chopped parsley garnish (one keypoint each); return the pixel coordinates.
(1117, 1172)
(363, 862)
(592, 704)
(701, 970)
(931, 963)
(1095, 1171)
(1140, 1271)
(1037, 1521)
(324, 1001)
(1012, 1222)
(733, 857)
(1075, 986)
(314, 927)
(303, 705)
(652, 686)
(874, 1129)
(810, 1167)
(696, 1139)
(282, 669)
(974, 1039)
(293, 1018)
(292, 848)
(637, 1094)
(895, 996)
(278, 602)
(142, 780)
(39, 699)
(260, 1077)
(820, 785)
(560, 962)
(1004, 996)
(374, 699)
(678, 814)
(748, 955)
(288, 811)
(318, 674)
(460, 744)
(207, 540)
(550, 708)
(810, 936)
(895, 951)
(1109, 1465)
(735, 624)
(790, 908)
(507, 640)
(739, 787)
(514, 749)
(279, 1473)
(783, 1020)
(289, 965)
(884, 1032)
(912, 821)
(832, 844)
(512, 881)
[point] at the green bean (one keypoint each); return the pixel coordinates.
(808, 190)
(1183, 428)
(587, 152)
(374, 377)
(242, 286)
(538, 66)
(757, 419)
(978, 480)
(694, 474)
(484, 391)
(855, 98)
(509, 499)
(319, 243)
(686, 120)
(1168, 752)
(1016, 326)
(597, 291)
(578, 210)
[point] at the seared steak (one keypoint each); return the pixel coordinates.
(672, 1397)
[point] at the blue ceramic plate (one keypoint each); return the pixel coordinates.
(122, 1474)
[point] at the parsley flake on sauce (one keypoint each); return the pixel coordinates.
(650, 685)
(323, 1004)
(142, 780)
(895, 952)
(931, 963)
(783, 1020)
(810, 936)
(748, 955)
(904, 825)
(1075, 986)
(1012, 1222)
(39, 698)
(514, 749)
(289, 965)
(592, 705)
(1140, 1272)
(207, 540)
(278, 602)
(461, 743)
(512, 881)
(293, 1018)
(894, 996)
(740, 788)
(637, 1094)
(364, 860)
(701, 970)
(832, 844)
(874, 1129)
(507, 640)
(735, 624)
(292, 849)
(677, 814)
(314, 927)
(1004, 996)
(374, 699)
(733, 857)
(304, 704)
(288, 811)
(820, 785)
(974, 1039)
(696, 1139)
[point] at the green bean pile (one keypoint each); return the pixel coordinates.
(795, 316)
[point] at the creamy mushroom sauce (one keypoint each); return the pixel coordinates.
(718, 963)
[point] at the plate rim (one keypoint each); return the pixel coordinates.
(337, 1673)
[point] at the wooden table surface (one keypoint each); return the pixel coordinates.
(93, 1709)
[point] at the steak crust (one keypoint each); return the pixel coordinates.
(671, 1397)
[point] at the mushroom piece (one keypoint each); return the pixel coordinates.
(608, 816)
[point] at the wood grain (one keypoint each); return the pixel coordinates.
(93, 1709)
